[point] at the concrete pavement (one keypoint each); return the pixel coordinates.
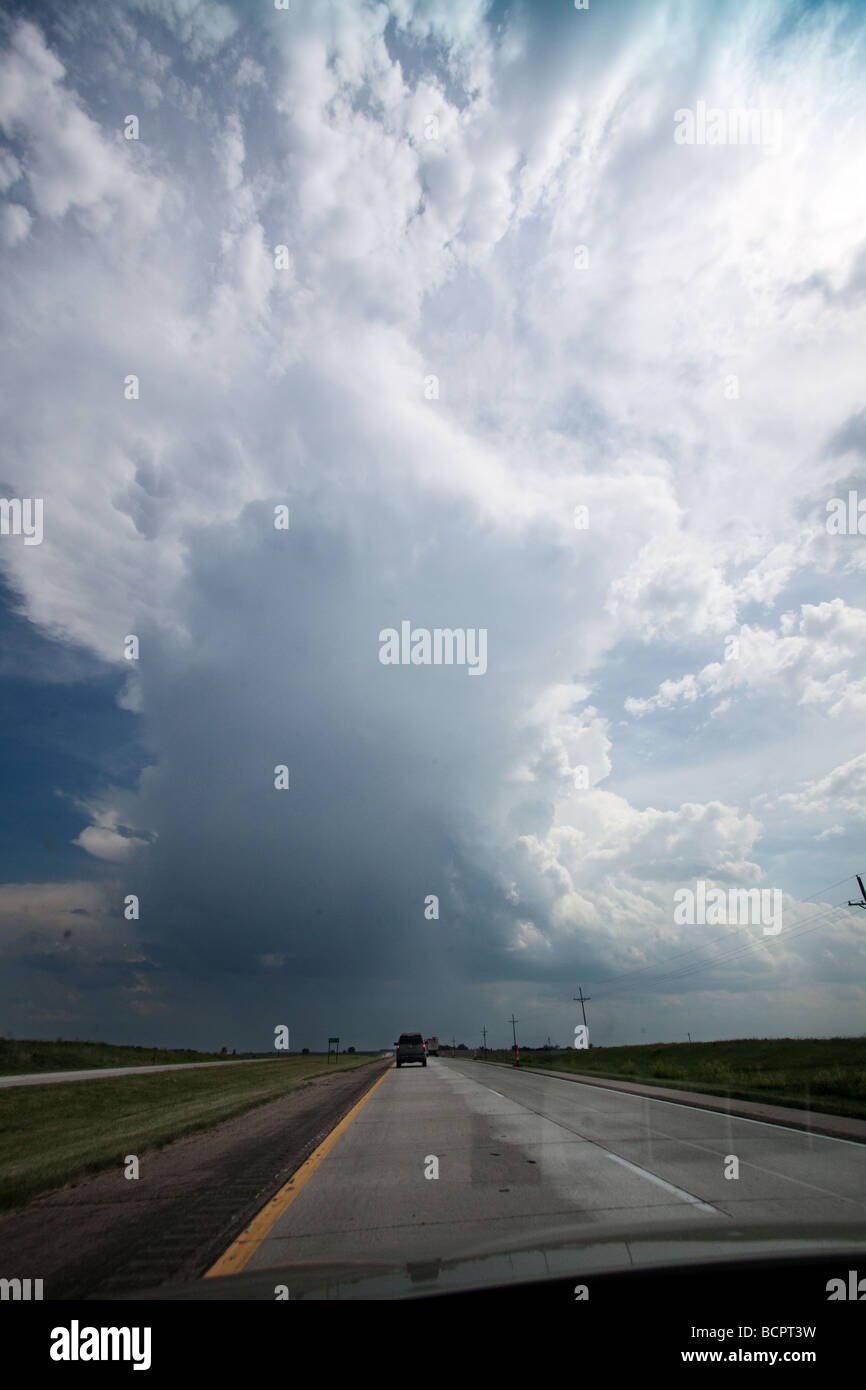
(521, 1153)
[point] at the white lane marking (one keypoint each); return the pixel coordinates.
(643, 1173)
(687, 1196)
(688, 1105)
(668, 1186)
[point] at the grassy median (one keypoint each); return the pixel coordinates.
(20, 1056)
(818, 1074)
(52, 1134)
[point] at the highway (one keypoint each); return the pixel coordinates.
(103, 1235)
(338, 1171)
(44, 1078)
(520, 1153)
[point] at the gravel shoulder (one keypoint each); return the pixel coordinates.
(108, 1234)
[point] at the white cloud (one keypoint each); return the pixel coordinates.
(69, 163)
(840, 792)
(559, 387)
(108, 839)
(831, 831)
(808, 660)
(15, 223)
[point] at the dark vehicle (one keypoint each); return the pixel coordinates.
(411, 1048)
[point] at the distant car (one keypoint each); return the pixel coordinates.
(411, 1048)
(432, 1045)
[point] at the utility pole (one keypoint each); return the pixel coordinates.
(514, 1022)
(582, 999)
(484, 1037)
(453, 1047)
(862, 903)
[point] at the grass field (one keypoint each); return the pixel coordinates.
(819, 1074)
(53, 1134)
(20, 1056)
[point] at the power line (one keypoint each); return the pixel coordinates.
(618, 982)
(748, 947)
(724, 958)
(726, 955)
(695, 950)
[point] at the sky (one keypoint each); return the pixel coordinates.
(500, 319)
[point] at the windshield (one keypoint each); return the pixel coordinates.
(433, 663)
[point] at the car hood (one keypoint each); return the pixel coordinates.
(561, 1252)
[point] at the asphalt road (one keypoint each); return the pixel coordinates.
(519, 1154)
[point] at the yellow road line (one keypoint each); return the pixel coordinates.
(242, 1249)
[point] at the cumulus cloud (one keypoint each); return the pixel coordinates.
(602, 459)
(842, 791)
(67, 161)
(809, 659)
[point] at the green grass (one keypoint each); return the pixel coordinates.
(818, 1074)
(20, 1056)
(53, 1134)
